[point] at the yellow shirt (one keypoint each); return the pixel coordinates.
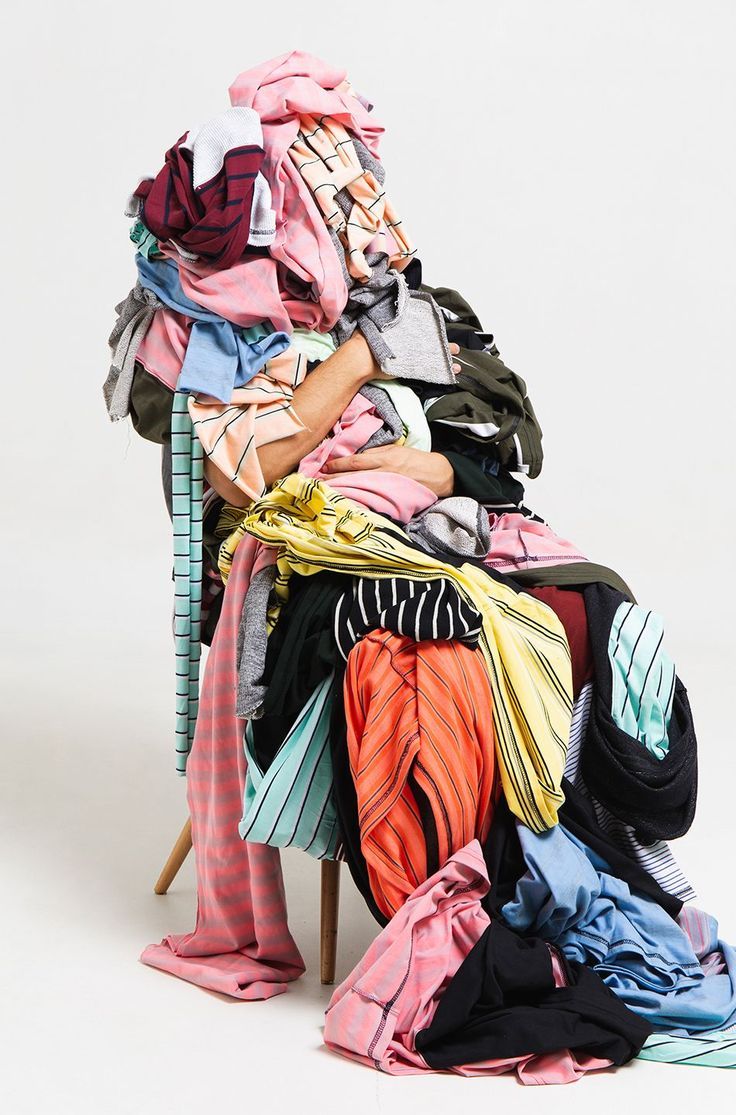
(522, 641)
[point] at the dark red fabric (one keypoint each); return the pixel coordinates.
(213, 221)
(569, 607)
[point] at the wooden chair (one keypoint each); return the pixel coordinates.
(329, 898)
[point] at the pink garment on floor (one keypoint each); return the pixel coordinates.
(386, 493)
(375, 1014)
(520, 543)
(241, 945)
(564, 1067)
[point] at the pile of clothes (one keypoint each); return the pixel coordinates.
(442, 692)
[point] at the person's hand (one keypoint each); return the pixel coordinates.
(431, 469)
(454, 349)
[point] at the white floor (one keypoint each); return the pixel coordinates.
(90, 811)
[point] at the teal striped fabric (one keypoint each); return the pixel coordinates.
(716, 1050)
(643, 677)
(187, 473)
(293, 802)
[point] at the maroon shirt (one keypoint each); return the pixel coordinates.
(211, 221)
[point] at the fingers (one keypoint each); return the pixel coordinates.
(358, 462)
(454, 350)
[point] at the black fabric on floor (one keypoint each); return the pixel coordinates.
(503, 1002)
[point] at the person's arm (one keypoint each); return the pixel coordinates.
(318, 401)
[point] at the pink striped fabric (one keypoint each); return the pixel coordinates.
(255, 289)
(520, 543)
(375, 1014)
(702, 931)
(280, 91)
(241, 945)
(328, 162)
(293, 84)
(258, 413)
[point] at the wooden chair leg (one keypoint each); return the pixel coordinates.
(330, 903)
(178, 854)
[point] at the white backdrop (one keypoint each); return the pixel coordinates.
(568, 166)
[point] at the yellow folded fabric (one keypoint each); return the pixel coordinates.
(522, 641)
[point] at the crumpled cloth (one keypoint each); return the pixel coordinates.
(457, 525)
(399, 497)
(252, 645)
(375, 1014)
(209, 188)
(517, 542)
(280, 91)
(647, 959)
(292, 802)
(522, 641)
(392, 429)
(419, 728)
(643, 676)
(404, 328)
(326, 158)
(655, 796)
(379, 298)
(135, 314)
(241, 945)
(259, 413)
(214, 356)
(357, 423)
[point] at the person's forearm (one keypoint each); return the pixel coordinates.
(318, 402)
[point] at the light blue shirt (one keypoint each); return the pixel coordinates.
(568, 897)
(220, 356)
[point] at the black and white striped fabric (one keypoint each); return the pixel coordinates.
(655, 858)
(420, 609)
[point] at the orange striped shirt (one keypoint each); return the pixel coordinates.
(420, 736)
